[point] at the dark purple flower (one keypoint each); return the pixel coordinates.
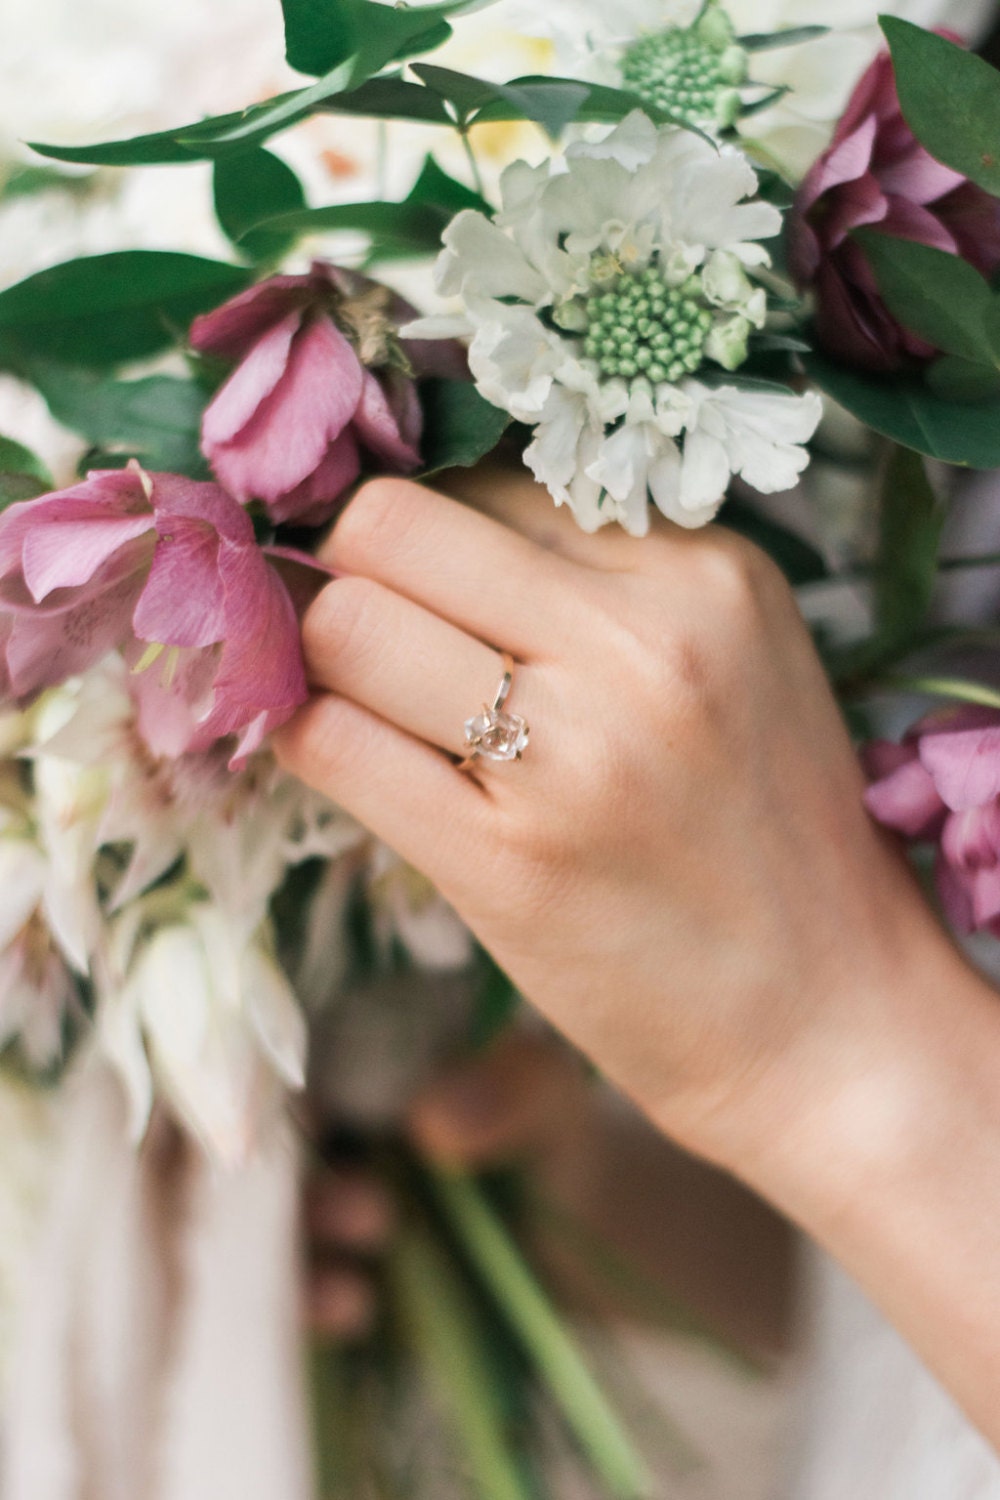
(876, 174)
(169, 571)
(318, 384)
(942, 786)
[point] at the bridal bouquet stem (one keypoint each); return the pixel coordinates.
(728, 211)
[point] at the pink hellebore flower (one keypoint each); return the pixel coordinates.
(169, 571)
(876, 174)
(289, 425)
(942, 785)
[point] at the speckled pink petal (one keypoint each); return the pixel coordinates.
(183, 601)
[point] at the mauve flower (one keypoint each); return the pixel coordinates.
(942, 785)
(169, 571)
(307, 398)
(876, 174)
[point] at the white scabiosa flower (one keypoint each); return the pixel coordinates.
(662, 50)
(605, 305)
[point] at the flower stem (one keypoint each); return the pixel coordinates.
(543, 1334)
(470, 155)
(942, 687)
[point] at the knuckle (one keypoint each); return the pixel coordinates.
(380, 510)
(739, 576)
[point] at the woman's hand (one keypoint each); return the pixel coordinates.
(679, 873)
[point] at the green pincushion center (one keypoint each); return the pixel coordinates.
(641, 325)
(681, 74)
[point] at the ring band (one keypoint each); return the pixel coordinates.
(494, 734)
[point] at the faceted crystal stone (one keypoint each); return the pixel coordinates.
(496, 735)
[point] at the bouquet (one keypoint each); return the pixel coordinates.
(651, 263)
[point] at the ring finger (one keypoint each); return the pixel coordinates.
(367, 643)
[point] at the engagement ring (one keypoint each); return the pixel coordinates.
(493, 734)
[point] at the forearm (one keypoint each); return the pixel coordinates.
(893, 1164)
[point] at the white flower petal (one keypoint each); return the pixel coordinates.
(478, 257)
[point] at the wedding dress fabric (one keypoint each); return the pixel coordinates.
(157, 1349)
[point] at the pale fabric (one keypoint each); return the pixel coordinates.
(876, 1425)
(157, 1354)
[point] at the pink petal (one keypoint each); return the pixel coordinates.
(910, 221)
(173, 495)
(847, 161)
(47, 646)
(907, 800)
(917, 177)
(314, 501)
(67, 553)
(965, 765)
(291, 429)
(377, 428)
(183, 602)
(956, 898)
(254, 378)
(229, 331)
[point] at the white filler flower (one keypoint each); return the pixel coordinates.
(605, 304)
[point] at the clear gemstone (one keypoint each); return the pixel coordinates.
(496, 735)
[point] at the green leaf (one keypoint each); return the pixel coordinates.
(552, 103)
(205, 139)
(545, 1337)
(22, 473)
(437, 187)
(460, 425)
(963, 380)
(904, 408)
(25, 182)
(412, 226)
(250, 186)
(950, 99)
(936, 295)
(104, 309)
(321, 34)
(495, 1003)
(156, 420)
(910, 520)
(942, 687)
(391, 98)
(767, 41)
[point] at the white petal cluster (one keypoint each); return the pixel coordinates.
(610, 434)
(147, 885)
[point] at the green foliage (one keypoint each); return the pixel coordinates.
(104, 309)
(904, 408)
(910, 520)
(950, 99)
(216, 136)
(250, 186)
(411, 227)
(768, 41)
(322, 34)
(460, 425)
(495, 1004)
(936, 295)
(156, 420)
(22, 473)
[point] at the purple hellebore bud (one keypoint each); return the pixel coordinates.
(942, 786)
(168, 571)
(314, 389)
(876, 174)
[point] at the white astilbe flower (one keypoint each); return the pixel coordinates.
(192, 1008)
(605, 304)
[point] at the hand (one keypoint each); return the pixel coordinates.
(680, 874)
(671, 871)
